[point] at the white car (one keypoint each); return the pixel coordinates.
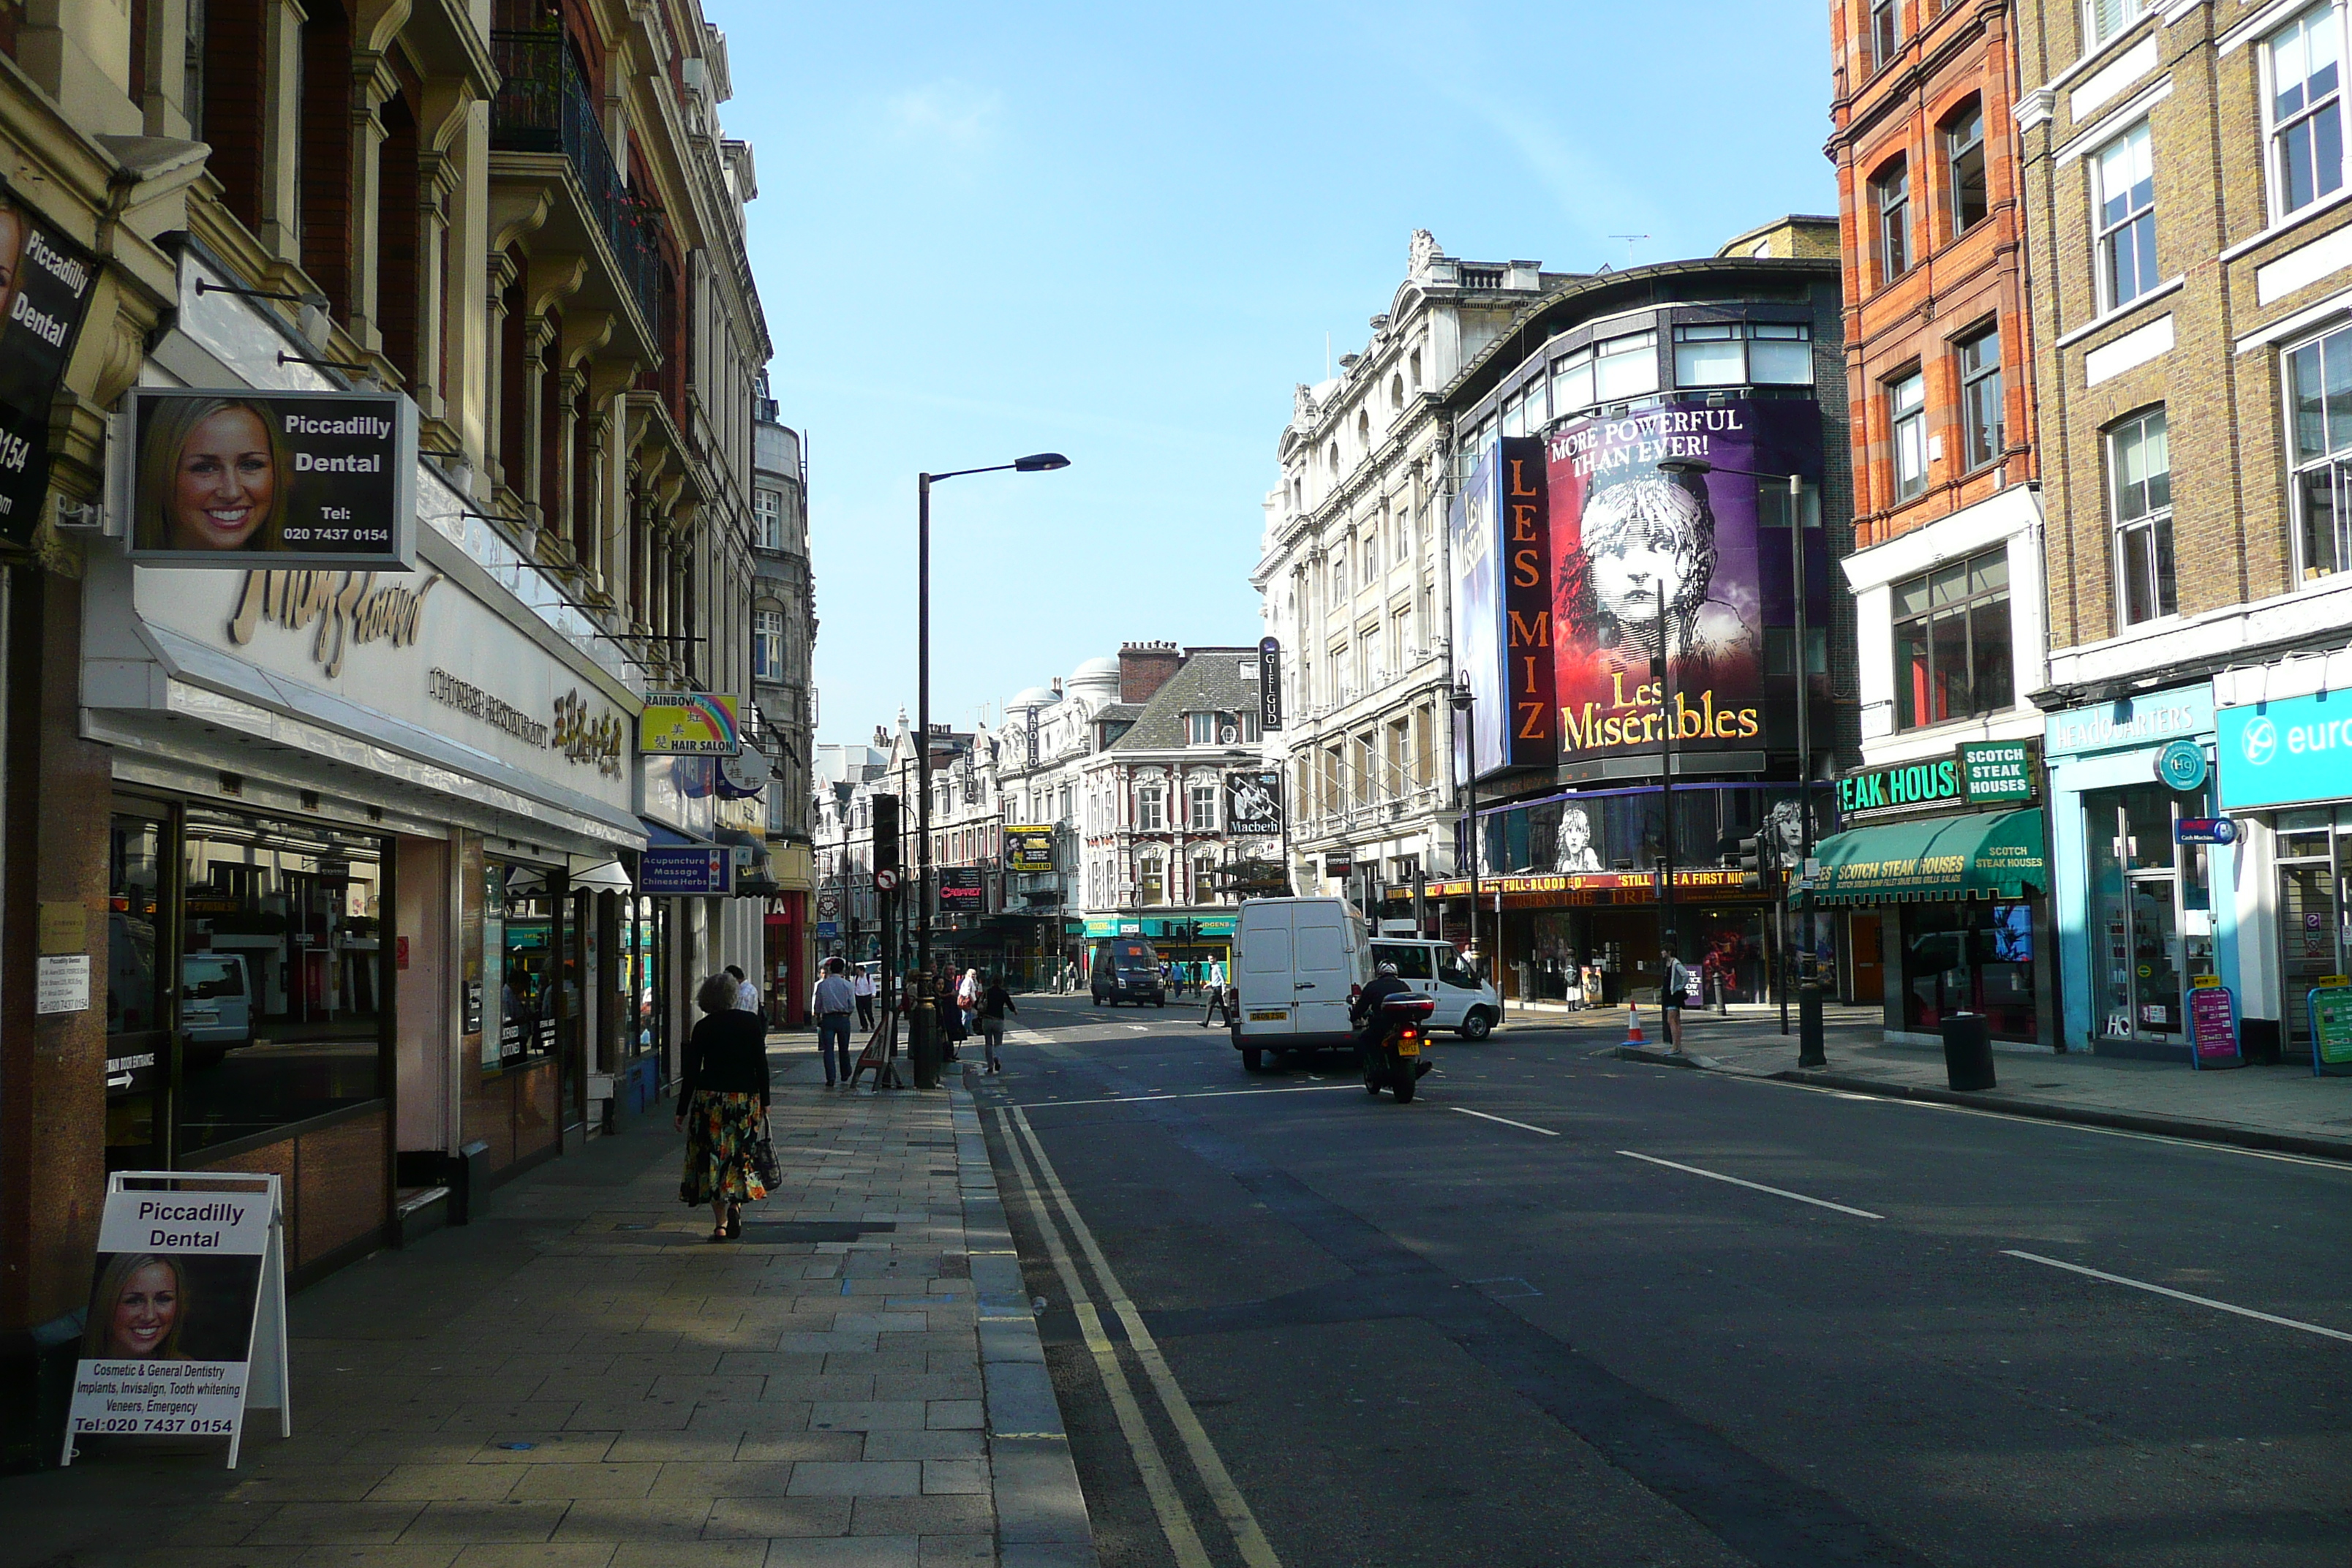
(1466, 1004)
(1298, 965)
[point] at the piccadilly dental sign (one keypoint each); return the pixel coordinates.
(2282, 752)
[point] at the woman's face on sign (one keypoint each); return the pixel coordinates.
(1575, 832)
(145, 1311)
(223, 483)
(1626, 579)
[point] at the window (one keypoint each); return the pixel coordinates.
(1204, 879)
(1202, 817)
(1339, 575)
(1980, 402)
(767, 520)
(1728, 353)
(1906, 414)
(2319, 392)
(2109, 17)
(1709, 356)
(2306, 109)
(1571, 381)
(1371, 551)
(1201, 729)
(1514, 414)
(767, 645)
(2140, 463)
(1951, 642)
(1885, 30)
(1890, 192)
(2125, 180)
(1414, 363)
(1625, 367)
(1396, 391)
(1150, 810)
(1964, 166)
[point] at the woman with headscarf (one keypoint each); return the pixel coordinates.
(722, 1108)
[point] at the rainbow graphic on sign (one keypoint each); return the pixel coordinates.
(688, 723)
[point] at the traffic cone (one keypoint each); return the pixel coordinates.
(1633, 1025)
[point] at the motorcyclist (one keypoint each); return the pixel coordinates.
(1367, 1013)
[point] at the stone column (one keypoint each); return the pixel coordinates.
(437, 183)
(594, 543)
(372, 88)
(536, 334)
(500, 277)
(564, 512)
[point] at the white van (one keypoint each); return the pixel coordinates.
(216, 1004)
(1466, 1004)
(1297, 965)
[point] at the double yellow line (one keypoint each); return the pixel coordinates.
(1159, 1480)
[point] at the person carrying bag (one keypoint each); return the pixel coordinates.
(722, 1108)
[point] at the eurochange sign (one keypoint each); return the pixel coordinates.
(2288, 750)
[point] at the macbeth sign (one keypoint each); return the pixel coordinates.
(1980, 774)
(1253, 804)
(236, 477)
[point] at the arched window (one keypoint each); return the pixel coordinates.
(1335, 457)
(1396, 390)
(1364, 428)
(1890, 196)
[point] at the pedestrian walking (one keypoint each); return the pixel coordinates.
(722, 1108)
(1671, 995)
(1220, 1005)
(967, 997)
(862, 988)
(747, 995)
(832, 1002)
(995, 1001)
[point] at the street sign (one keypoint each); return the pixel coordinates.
(689, 871)
(2205, 830)
(885, 880)
(827, 930)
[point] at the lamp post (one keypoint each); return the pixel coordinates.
(1466, 702)
(1811, 1052)
(923, 1041)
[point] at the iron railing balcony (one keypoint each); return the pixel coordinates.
(543, 106)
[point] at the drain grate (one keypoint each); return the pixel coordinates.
(813, 1229)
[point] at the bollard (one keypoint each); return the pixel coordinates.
(923, 1044)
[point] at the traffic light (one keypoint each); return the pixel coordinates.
(1751, 861)
(886, 831)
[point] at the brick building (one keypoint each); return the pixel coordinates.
(1947, 570)
(2189, 240)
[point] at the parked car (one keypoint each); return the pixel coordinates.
(1466, 1004)
(1298, 965)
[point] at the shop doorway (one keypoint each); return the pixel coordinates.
(2313, 860)
(2151, 916)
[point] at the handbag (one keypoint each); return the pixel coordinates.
(764, 1163)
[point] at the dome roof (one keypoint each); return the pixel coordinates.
(1104, 669)
(1035, 697)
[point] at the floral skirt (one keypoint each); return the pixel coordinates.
(722, 1131)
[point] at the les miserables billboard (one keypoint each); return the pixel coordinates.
(1502, 595)
(1639, 556)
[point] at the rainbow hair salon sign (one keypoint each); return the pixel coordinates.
(688, 723)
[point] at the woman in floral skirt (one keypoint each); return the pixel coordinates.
(722, 1100)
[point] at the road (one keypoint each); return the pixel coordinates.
(1624, 1315)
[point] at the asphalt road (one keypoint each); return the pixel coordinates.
(1364, 1332)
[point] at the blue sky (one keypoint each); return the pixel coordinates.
(1122, 232)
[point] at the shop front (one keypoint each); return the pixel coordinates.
(363, 845)
(2133, 906)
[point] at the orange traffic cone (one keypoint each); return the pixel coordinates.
(1633, 1025)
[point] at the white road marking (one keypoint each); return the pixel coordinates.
(2178, 1295)
(1755, 1186)
(1526, 1127)
(1202, 1094)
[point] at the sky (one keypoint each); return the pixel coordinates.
(1126, 232)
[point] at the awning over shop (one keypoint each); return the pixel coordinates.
(1998, 855)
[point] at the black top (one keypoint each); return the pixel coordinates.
(727, 1053)
(996, 1000)
(1369, 1000)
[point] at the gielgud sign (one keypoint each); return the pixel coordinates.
(238, 476)
(1639, 558)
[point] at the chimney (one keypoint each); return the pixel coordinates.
(1057, 685)
(1144, 667)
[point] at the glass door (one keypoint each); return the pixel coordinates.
(2140, 935)
(2310, 887)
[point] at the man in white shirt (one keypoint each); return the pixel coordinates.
(862, 988)
(831, 1004)
(747, 995)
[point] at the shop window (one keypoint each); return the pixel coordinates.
(2305, 109)
(2319, 399)
(282, 968)
(1952, 651)
(1969, 956)
(2140, 465)
(1964, 166)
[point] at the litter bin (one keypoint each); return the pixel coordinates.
(1968, 1051)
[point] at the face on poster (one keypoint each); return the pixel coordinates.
(46, 284)
(1253, 804)
(1478, 610)
(253, 480)
(1641, 558)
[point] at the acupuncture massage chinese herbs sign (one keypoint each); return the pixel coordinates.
(186, 1310)
(1638, 559)
(238, 476)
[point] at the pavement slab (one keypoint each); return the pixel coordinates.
(580, 1377)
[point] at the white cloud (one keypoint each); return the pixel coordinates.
(949, 113)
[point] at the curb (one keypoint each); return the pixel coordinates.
(2183, 1128)
(1041, 1512)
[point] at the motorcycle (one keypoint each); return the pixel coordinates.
(1397, 1062)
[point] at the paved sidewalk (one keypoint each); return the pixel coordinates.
(579, 1380)
(2277, 1108)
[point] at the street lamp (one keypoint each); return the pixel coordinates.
(1810, 1048)
(923, 1041)
(1464, 701)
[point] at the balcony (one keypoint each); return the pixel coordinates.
(543, 112)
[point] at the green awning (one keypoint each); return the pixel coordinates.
(1997, 855)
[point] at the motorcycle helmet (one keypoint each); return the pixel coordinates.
(1389, 970)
